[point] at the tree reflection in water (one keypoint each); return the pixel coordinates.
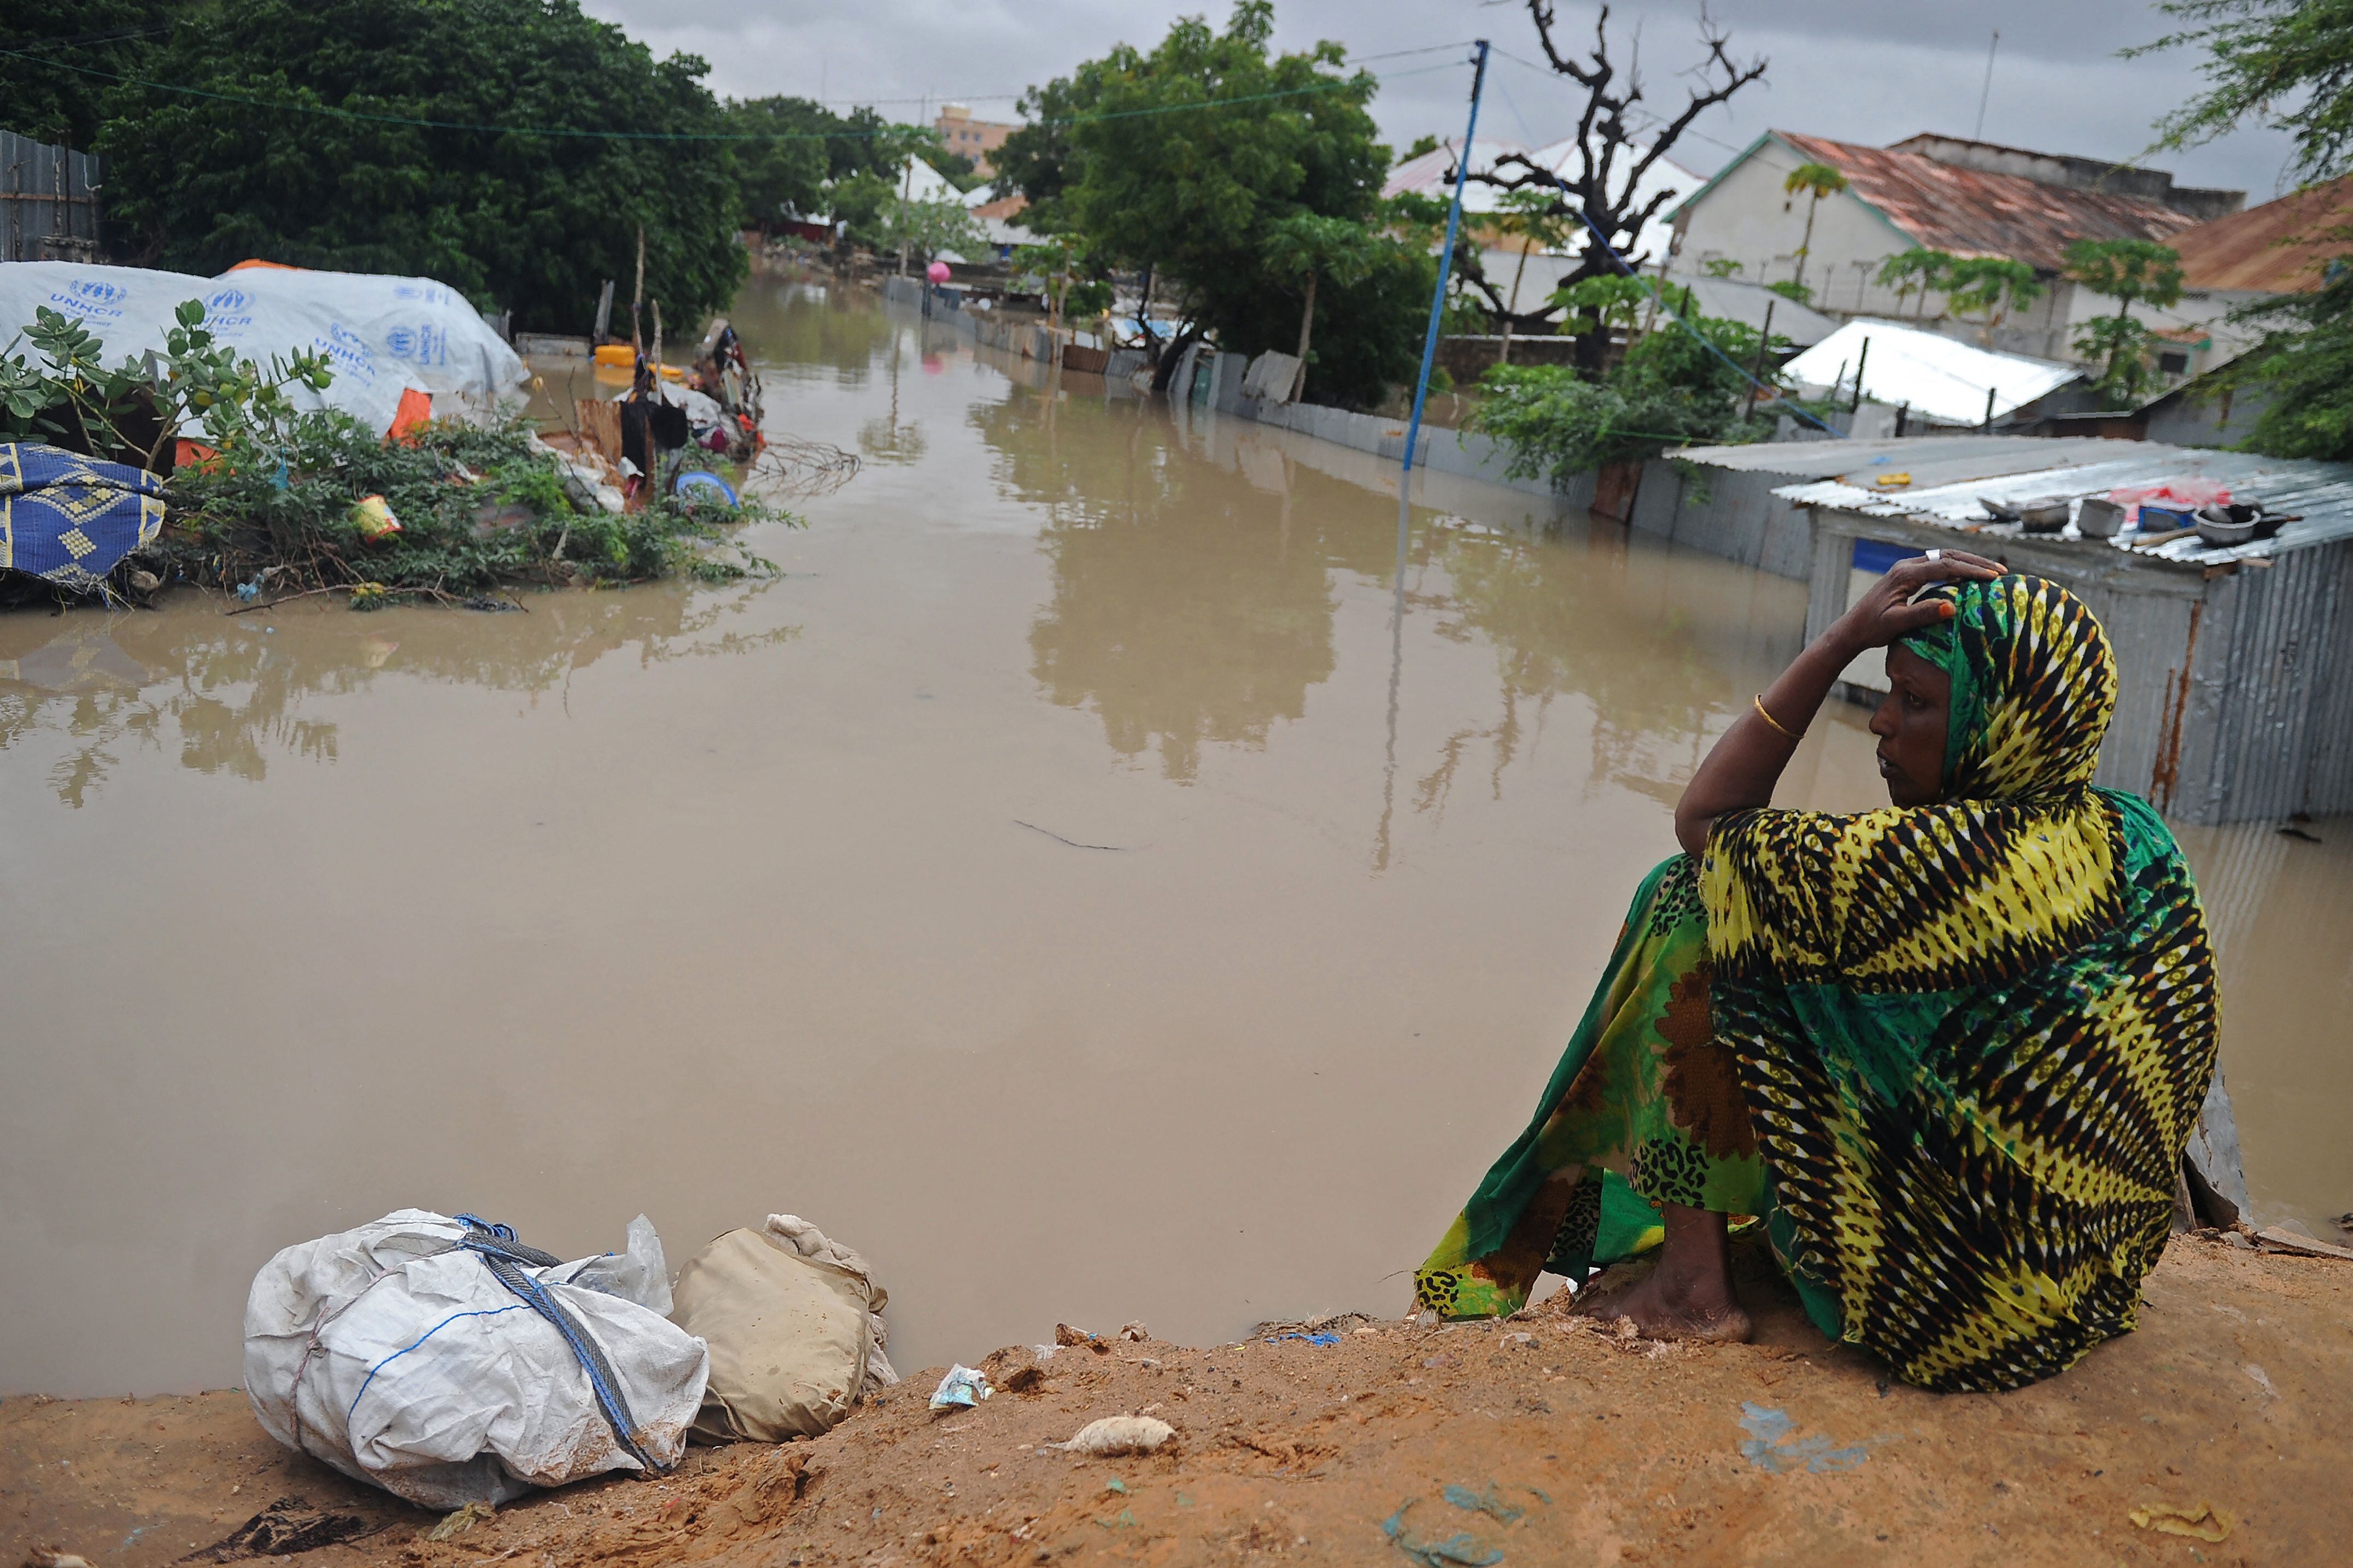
(1186, 609)
(1194, 593)
(229, 693)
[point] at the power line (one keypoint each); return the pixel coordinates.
(1322, 85)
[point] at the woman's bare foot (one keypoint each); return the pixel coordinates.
(1666, 1306)
(1688, 1294)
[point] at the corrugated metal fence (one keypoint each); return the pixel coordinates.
(49, 201)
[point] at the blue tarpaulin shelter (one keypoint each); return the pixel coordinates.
(71, 519)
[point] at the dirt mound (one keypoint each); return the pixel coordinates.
(1545, 1438)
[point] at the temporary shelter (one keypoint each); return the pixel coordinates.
(382, 335)
(1945, 382)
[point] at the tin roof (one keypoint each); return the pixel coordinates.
(1970, 213)
(2275, 249)
(2319, 494)
(1929, 459)
(1941, 378)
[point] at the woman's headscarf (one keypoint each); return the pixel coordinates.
(2034, 685)
(1974, 1035)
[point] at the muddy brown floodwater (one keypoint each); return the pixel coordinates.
(1065, 884)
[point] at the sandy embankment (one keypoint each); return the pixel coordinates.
(1576, 1448)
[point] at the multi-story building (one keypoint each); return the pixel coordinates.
(975, 139)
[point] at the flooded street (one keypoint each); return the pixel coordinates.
(1068, 884)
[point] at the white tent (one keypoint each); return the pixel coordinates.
(919, 182)
(1942, 379)
(382, 335)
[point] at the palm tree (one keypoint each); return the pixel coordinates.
(1919, 271)
(1530, 217)
(1304, 245)
(1817, 180)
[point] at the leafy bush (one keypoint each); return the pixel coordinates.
(1674, 387)
(479, 509)
(69, 397)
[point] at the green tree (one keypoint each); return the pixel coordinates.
(353, 165)
(53, 86)
(2128, 271)
(782, 174)
(1037, 159)
(1993, 284)
(2287, 64)
(1918, 270)
(1674, 387)
(1305, 245)
(1721, 267)
(1790, 289)
(1611, 304)
(923, 229)
(1182, 161)
(1528, 217)
(1817, 181)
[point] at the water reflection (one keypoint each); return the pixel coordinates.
(1650, 639)
(2278, 903)
(228, 692)
(799, 332)
(1198, 568)
(1183, 611)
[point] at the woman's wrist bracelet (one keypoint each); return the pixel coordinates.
(1759, 700)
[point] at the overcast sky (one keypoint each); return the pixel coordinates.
(1872, 71)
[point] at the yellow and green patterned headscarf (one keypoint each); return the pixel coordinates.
(2034, 685)
(1973, 1036)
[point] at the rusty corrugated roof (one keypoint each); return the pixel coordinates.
(1972, 213)
(2275, 249)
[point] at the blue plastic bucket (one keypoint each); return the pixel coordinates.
(710, 486)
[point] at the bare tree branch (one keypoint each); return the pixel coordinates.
(1611, 163)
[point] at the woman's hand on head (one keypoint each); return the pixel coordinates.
(1885, 612)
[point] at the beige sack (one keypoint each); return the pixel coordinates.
(794, 1327)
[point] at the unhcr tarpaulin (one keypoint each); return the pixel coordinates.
(71, 519)
(382, 335)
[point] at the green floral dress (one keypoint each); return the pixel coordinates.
(1644, 1109)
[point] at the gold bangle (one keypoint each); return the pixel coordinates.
(1759, 700)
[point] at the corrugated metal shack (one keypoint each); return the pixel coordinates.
(1722, 499)
(2236, 697)
(50, 197)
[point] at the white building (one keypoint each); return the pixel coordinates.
(1966, 198)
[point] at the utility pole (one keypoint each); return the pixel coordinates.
(638, 296)
(1445, 269)
(1764, 346)
(1979, 134)
(906, 183)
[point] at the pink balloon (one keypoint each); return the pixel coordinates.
(937, 272)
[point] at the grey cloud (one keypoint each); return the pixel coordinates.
(1850, 70)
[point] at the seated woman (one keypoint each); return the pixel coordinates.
(1948, 1051)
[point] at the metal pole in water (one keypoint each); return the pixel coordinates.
(1445, 260)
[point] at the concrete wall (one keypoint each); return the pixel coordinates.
(1458, 452)
(1467, 358)
(1727, 512)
